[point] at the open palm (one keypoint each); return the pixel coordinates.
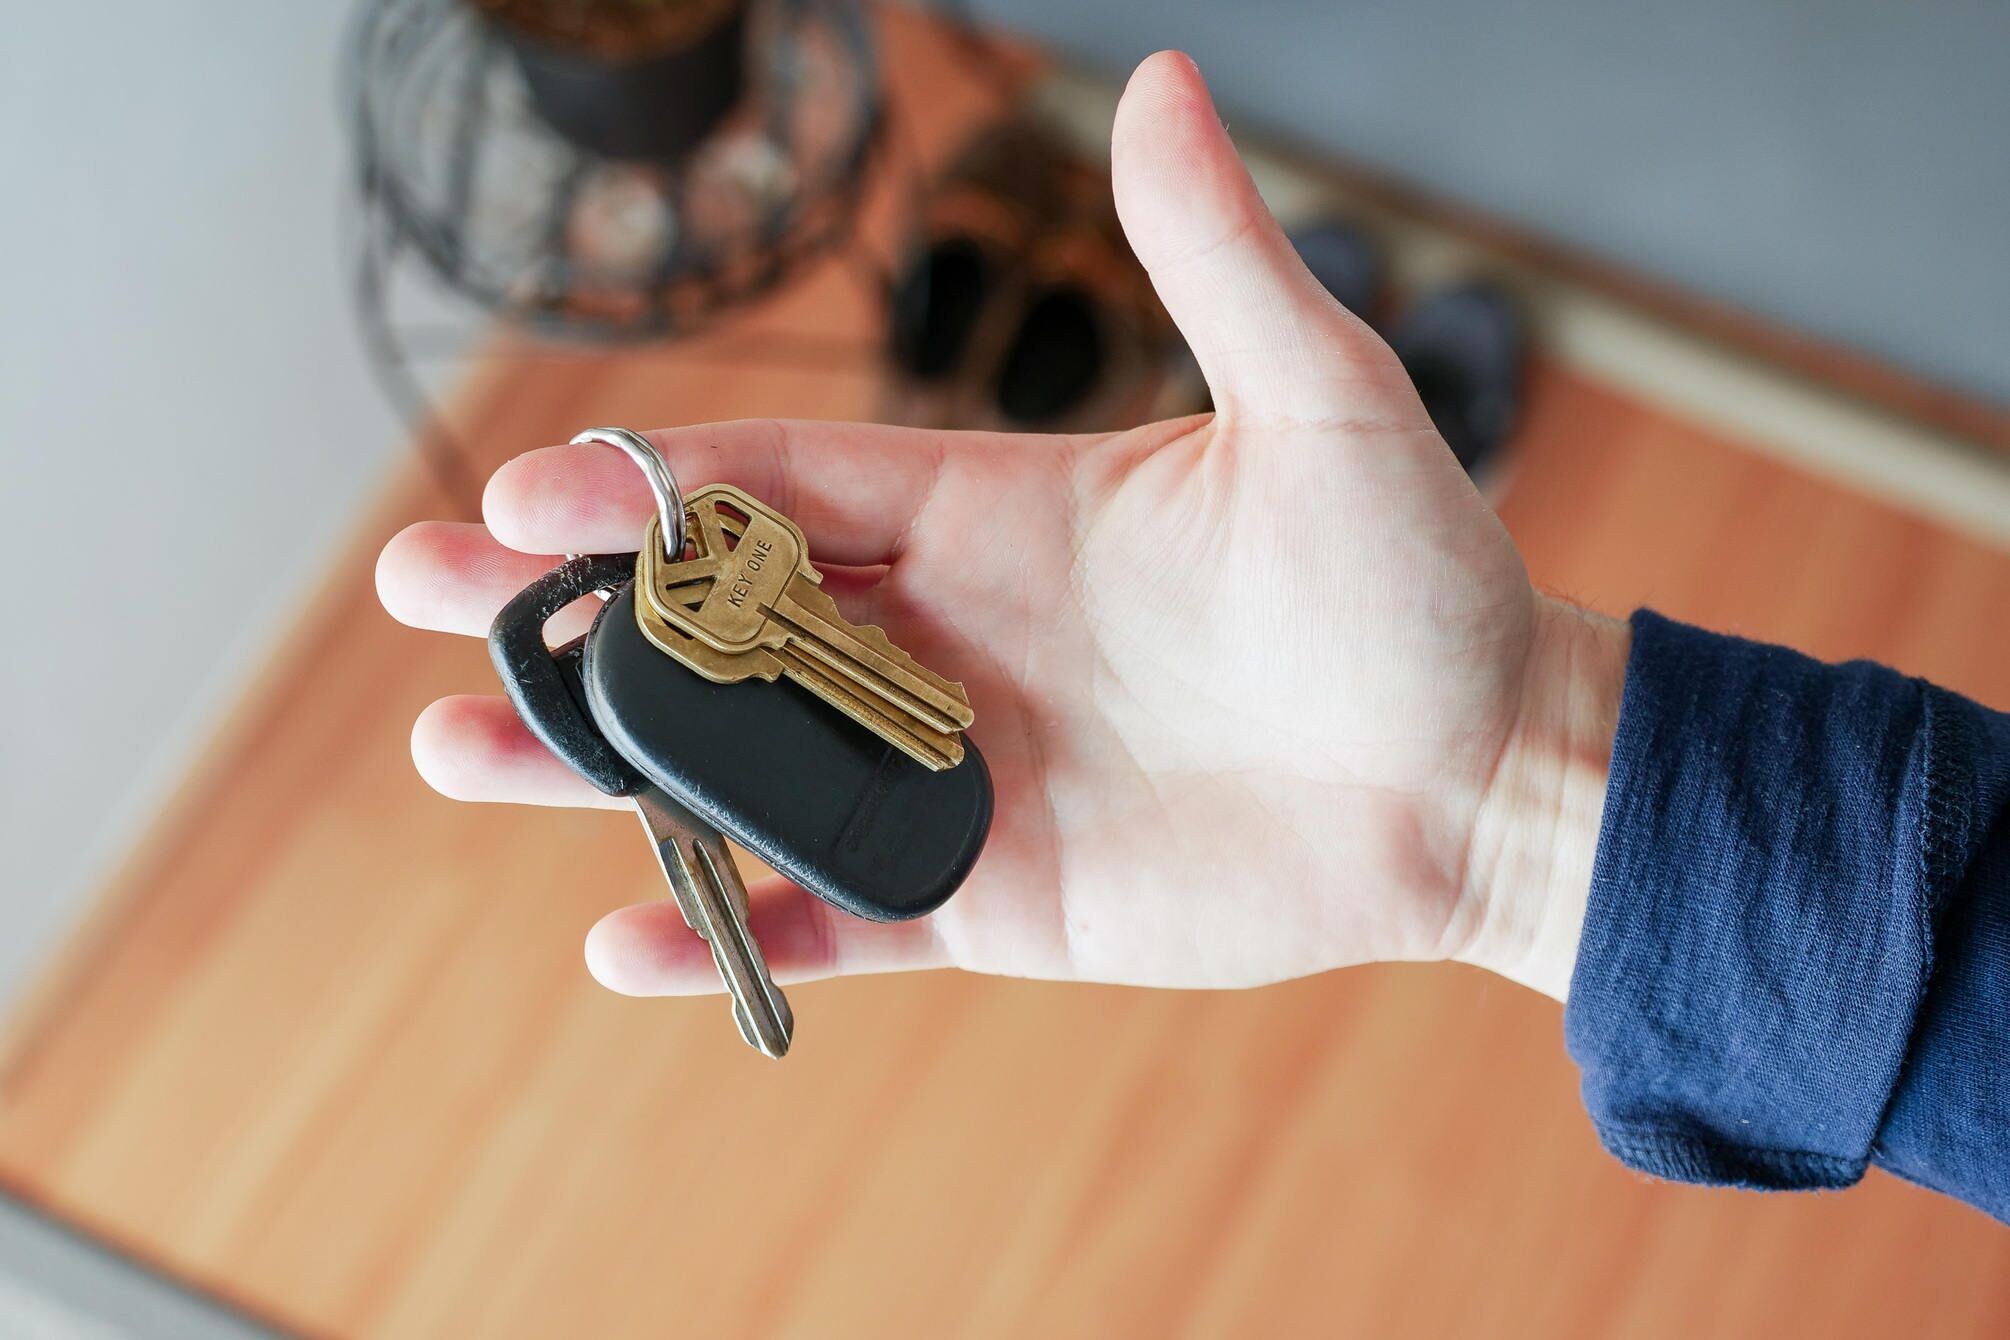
(1248, 683)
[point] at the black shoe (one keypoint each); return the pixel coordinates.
(1055, 360)
(936, 300)
(1466, 348)
(1347, 264)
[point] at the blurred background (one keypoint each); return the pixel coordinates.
(1713, 300)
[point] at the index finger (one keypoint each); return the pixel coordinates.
(855, 489)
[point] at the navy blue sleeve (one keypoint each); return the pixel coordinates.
(1796, 957)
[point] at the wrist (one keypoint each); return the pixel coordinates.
(1536, 831)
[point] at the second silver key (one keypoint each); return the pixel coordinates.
(713, 900)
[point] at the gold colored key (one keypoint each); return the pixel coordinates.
(931, 748)
(750, 583)
(748, 593)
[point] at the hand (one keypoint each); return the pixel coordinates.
(1263, 693)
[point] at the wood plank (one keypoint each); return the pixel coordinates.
(334, 1055)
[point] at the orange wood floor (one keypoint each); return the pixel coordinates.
(329, 1050)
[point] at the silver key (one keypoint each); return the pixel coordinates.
(713, 899)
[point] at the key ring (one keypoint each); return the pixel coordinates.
(662, 483)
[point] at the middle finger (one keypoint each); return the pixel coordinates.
(453, 577)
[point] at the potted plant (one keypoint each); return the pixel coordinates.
(631, 79)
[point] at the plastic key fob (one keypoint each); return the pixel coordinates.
(815, 795)
(544, 685)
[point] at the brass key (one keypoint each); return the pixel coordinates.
(931, 748)
(749, 587)
(750, 583)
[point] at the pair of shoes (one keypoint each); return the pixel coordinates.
(1051, 357)
(1465, 347)
(1017, 303)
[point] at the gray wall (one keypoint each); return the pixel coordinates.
(185, 425)
(1840, 165)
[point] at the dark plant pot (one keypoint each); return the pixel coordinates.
(656, 107)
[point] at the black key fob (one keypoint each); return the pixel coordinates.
(814, 794)
(544, 684)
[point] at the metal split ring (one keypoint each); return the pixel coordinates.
(662, 483)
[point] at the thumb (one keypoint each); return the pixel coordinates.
(1269, 338)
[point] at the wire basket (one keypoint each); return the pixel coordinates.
(455, 166)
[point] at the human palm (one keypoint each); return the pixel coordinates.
(1245, 682)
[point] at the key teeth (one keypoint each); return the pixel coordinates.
(934, 750)
(957, 715)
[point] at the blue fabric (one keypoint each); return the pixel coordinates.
(1796, 957)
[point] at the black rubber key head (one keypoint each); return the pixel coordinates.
(814, 794)
(544, 686)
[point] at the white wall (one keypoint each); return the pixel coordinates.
(185, 422)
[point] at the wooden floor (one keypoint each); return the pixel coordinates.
(330, 1051)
